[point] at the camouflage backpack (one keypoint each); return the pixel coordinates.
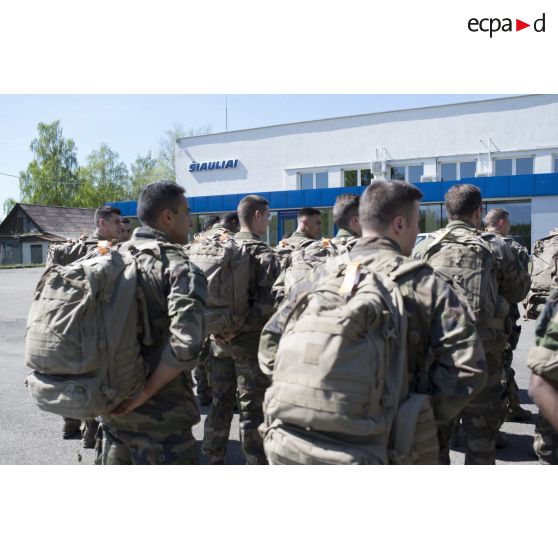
(284, 251)
(82, 335)
(544, 273)
(226, 266)
(308, 258)
(467, 263)
(340, 391)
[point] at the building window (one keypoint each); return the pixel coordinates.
(311, 180)
(467, 169)
(503, 167)
(415, 172)
(365, 177)
(556, 164)
(397, 173)
(410, 173)
(357, 177)
(524, 165)
(448, 171)
(307, 181)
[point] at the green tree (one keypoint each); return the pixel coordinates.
(167, 147)
(52, 177)
(143, 171)
(104, 178)
(8, 205)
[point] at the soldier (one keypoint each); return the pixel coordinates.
(497, 222)
(345, 217)
(156, 426)
(542, 360)
(445, 356)
(108, 225)
(544, 279)
(213, 228)
(309, 229)
(126, 232)
(486, 274)
(241, 369)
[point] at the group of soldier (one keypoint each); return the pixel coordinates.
(461, 360)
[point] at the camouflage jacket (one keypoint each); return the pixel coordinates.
(213, 233)
(175, 293)
(445, 356)
(512, 261)
(543, 359)
(520, 268)
(73, 250)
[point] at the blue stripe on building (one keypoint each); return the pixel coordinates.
(492, 187)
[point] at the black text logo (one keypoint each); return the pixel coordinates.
(495, 24)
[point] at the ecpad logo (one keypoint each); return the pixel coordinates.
(494, 24)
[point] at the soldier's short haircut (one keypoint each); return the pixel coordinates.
(462, 200)
(248, 206)
(384, 200)
(494, 215)
(104, 212)
(345, 207)
(308, 212)
(230, 221)
(210, 221)
(156, 197)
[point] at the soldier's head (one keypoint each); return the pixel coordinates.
(126, 232)
(464, 203)
(390, 208)
(163, 206)
(230, 222)
(210, 221)
(345, 213)
(108, 221)
(254, 214)
(309, 222)
(498, 220)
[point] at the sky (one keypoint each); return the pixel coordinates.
(133, 124)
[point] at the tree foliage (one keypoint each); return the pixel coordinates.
(52, 177)
(104, 178)
(143, 171)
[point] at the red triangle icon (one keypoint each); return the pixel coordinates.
(519, 25)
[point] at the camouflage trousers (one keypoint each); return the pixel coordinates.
(228, 374)
(481, 417)
(203, 385)
(117, 447)
(545, 441)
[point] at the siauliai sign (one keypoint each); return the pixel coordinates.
(213, 165)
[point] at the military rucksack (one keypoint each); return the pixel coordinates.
(340, 389)
(544, 274)
(225, 263)
(467, 263)
(82, 335)
(284, 251)
(309, 257)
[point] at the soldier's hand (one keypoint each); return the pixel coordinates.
(128, 405)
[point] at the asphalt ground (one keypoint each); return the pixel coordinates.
(31, 436)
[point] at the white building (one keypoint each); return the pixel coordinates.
(508, 147)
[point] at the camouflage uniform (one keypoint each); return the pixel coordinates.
(481, 418)
(160, 430)
(445, 356)
(510, 396)
(241, 369)
(65, 254)
(545, 442)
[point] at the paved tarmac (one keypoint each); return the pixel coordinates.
(30, 436)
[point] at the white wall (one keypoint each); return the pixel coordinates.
(544, 216)
(269, 158)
